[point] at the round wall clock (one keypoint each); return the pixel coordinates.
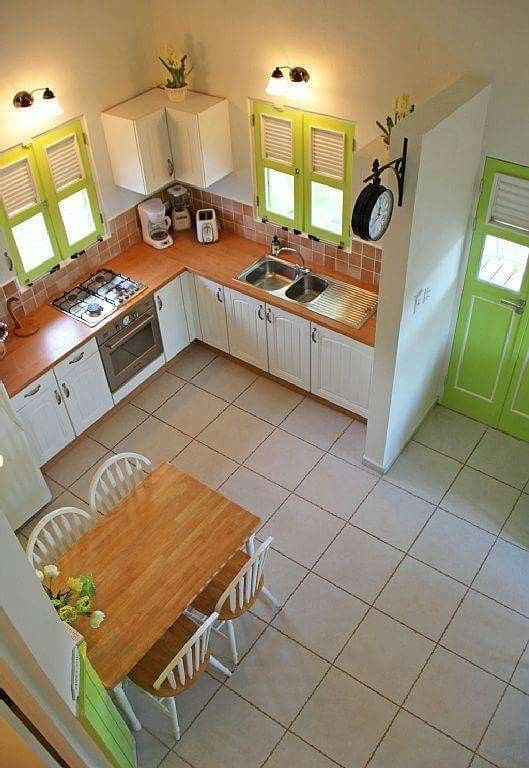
(372, 211)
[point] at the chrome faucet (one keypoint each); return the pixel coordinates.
(302, 268)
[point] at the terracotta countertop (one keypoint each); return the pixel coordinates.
(28, 358)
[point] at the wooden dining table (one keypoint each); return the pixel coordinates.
(150, 557)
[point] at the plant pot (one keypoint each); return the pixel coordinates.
(176, 94)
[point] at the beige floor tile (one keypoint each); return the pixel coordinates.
(55, 488)
(291, 752)
(453, 546)
(149, 749)
(385, 655)
(420, 597)
(171, 760)
(254, 493)
(337, 486)
(268, 400)
(284, 459)
(506, 742)
(480, 499)
(410, 743)
(157, 392)
(450, 433)
(205, 464)
(301, 530)
(479, 762)
(424, 472)
(456, 697)
(282, 576)
(278, 676)
(75, 461)
(224, 378)
(490, 635)
(351, 445)
(503, 457)
(358, 563)
(320, 616)
(520, 679)
(392, 514)
(117, 425)
(191, 410)
(229, 732)
(155, 440)
(191, 361)
(516, 529)
(247, 629)
(81, 487)
(344, 719)
(504, 576)
(316, 423)
(235, 433)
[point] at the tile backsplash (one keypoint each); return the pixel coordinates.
(362, 263)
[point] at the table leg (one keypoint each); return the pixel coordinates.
(126, 708)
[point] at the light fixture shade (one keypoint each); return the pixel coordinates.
(297, 89)
(277, 83)
(49, 107)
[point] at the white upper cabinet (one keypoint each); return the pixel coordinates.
(288, 347)
(212, 313)
(172, 318)
(247, 328)
(152, 141)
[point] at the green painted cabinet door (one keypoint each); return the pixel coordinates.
(491, 325)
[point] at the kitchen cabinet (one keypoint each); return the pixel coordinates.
(288, 347)
(247, 328)
(212, 313)
(189, 295)
(341, 369)
(169, 303)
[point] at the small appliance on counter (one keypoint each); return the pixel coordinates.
(207, 226)
(155, 223)
(180, 207)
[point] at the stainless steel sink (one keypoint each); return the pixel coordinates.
(307, 288)
(270, 274)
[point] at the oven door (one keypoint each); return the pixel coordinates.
(130, 350)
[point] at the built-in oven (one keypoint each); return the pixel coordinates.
(130, 344)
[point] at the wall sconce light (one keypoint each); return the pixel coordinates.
(294, 86)
(47, 102)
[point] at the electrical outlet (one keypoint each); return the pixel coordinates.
(426, 294)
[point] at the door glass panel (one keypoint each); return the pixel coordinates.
(77, 216)
(33, 242)
(279, 190)
(131, 350)
(503, 263)
(326, 207)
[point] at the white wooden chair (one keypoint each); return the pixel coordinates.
(234, 589)
(115, 479)
(55, 533)
(164, 675)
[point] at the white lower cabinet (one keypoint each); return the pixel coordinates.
(288, 347)
(212, 313)
(341, 369)
(247, 328)
(169, 303)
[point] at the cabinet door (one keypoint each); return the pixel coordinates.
(247, 328)
(85, 390)
(186, 148)
(154, 150)
(45, 421)
(172, 318)
(288, 347)
(341, 369)
(212, 313)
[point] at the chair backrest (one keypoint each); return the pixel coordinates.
(115, 479)
(190, 658)
(247, 582)
(55, 533)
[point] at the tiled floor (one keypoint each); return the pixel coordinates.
(402, 641)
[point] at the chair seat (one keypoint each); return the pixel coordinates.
(160, 655)
(206, 602)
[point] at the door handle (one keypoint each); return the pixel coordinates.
(219, 294)
(269, 315)
(314, 335)
(76, 359)
(160, 302)
(57, 396)
(33, 391)
(170, 166)
(65, 390)
(518, 306)
(260, 312)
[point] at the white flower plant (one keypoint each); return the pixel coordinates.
(176, 66)
(401, 109)
(75, 600)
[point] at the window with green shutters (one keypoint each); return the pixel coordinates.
(303, 167)
(48, 202)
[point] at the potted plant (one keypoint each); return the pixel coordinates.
(176, 86)
(73, 601)
(401, 109)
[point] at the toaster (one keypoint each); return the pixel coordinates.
(207, 226)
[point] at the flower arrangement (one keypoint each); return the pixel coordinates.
(4, 333)
(401, 109)
(176, 67)
(74, 601)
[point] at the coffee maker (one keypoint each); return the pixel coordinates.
(155, 223)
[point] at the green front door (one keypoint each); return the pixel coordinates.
(488, 376)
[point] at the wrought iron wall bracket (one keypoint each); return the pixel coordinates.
(399, 167)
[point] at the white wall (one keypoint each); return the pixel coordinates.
(507, 125)
(424, 248)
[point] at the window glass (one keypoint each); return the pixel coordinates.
(33, 242)
(326, 207)
(77, 217)
(279, 189)
(503, 263)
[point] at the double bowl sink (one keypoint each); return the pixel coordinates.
(331, 298)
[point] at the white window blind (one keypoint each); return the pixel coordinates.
(509, 206)
(17, 187)
(327, 152)
(65, 163)
(277, 139)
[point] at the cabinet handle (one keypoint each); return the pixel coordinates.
(219, 294)
(76, 359)
(518, 306)
(57, 396)
(65, 390)
(170, 166)
(260, 312)
(33, 391)
(159, 302)
(314, 335)
(269, 315)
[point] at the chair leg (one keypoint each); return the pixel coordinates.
(217, 664)
(173, 714)
(266, 592)
(233, 642)
(125, 706)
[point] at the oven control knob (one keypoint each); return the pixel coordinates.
(126, 320)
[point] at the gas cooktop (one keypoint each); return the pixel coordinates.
(97, 297)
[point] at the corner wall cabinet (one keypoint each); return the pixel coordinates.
(169, 303)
